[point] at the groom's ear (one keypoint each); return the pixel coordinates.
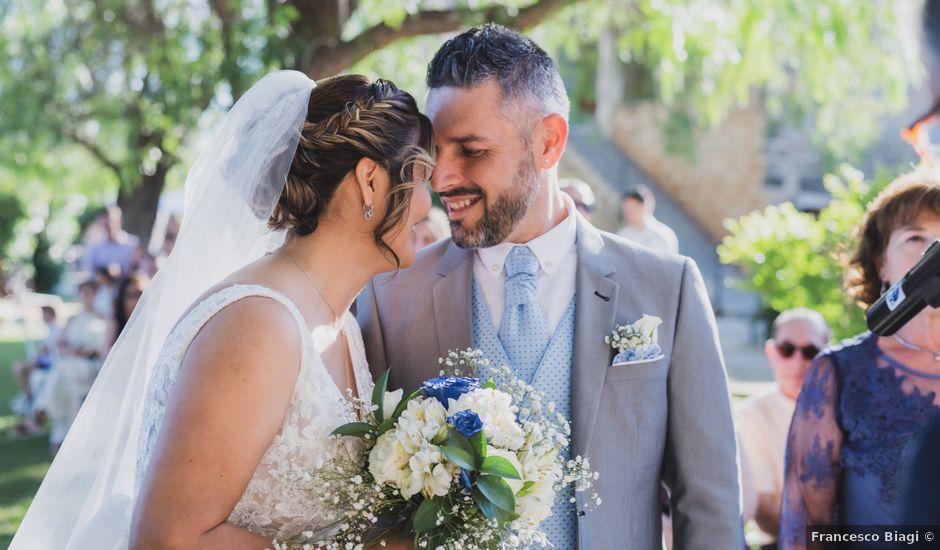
(555, 136)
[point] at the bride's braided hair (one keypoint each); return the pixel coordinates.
(350, 117)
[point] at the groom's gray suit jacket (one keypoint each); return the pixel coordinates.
(669, 419)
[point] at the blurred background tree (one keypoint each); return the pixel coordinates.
(794, 258)
(11, 212)
(121, 89)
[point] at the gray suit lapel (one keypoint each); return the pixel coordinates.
(451, 297)
(596, 307)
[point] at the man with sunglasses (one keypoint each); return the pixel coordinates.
(762, 422)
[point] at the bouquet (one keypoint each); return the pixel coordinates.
(458, 463)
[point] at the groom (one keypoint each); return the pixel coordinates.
(532, 284)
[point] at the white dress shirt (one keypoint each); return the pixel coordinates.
(558, 261)
(763, 423)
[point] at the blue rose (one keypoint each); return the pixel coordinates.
(443, 388)
(466, 422)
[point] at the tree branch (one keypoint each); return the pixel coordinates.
(332, 59)
(96, 151)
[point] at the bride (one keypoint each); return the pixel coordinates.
(221, 393)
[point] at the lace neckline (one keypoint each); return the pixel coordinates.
(873, 341)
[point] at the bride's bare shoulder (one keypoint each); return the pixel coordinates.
(253, 331)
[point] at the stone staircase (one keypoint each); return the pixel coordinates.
(610, 172)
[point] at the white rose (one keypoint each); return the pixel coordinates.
(647, 325)
(497, 413)
(390, 400)
(388, 460)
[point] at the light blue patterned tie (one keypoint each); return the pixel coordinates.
(523, 331)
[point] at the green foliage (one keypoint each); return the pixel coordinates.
(843, 63)
(794, 259)
(98, 95)
(11, 212)
(46, 270)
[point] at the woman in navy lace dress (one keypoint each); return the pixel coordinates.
(864, 402)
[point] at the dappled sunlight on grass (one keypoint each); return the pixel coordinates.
(23, 461)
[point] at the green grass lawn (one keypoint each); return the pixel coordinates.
(23, 461)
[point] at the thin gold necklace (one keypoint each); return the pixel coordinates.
(915, 347)
(337, 324)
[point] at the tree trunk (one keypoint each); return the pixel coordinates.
(139, 204)
(318, 30)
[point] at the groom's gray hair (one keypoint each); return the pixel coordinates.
(521, 68)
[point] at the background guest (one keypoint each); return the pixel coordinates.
(106, 280)
(29, 374)
(117, 248)
(76, 368)
(762, 422)
(432, 228)
(581, 193)
(126, 297)
(863, 403)
(641, 226)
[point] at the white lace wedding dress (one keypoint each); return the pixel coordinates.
(277, 502)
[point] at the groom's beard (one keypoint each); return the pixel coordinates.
(500, 218)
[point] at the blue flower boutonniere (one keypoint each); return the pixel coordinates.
(636, 341)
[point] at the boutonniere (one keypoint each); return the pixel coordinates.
(636, 341)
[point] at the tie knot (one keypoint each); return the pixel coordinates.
(521, 261)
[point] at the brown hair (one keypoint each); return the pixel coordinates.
(901, 203)
(350, 118)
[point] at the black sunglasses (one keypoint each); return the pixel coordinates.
(787, 349)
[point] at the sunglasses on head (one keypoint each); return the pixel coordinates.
(787, 349)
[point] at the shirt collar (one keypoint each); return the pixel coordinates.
(549, 247)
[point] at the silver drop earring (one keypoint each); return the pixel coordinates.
(368, 212)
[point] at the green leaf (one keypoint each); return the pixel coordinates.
(489, 509)
(499, 466)
(478, 444)
(425, 517)
(489, 384)
(378, 394)
(354, 429)
(455, 439)
(459, 457)
(497, 491)
(526, 489)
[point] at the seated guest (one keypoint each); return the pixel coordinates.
(864, 403)
(107, 279)
(75, 370)
(28, 373)
(762, 421)
(45, 355)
